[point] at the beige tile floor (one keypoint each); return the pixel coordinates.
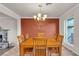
(15, 52)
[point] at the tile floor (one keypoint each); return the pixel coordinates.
(15, 52)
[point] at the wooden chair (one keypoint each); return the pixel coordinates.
(40, 46)
(57, 49)
(26, 50)
(20, 39)
(60, 40)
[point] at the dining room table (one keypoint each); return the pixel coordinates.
(28, 43)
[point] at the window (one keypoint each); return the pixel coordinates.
(69, 30)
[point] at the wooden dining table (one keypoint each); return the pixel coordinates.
(28, 43)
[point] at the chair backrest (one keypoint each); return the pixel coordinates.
(20, 38)
(40, 46)
(60, 38)
(39, 41)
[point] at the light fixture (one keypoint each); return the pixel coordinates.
(40, 16)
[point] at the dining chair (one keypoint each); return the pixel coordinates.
(57, 48)
(20, 40)
(26, 50)
(40, 46)
(60, 40)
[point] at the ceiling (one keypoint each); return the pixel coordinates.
(29, 9)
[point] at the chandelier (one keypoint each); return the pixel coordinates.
(39, 16)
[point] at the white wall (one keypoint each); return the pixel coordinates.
(19, 27)
(11, 24)
(75, 13)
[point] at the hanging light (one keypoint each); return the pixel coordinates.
(40, 16)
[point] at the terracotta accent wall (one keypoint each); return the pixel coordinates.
(50, 27)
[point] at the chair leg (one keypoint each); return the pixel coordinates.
(33, 52)
(46, 51)
(49, 53)
(60, 49)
